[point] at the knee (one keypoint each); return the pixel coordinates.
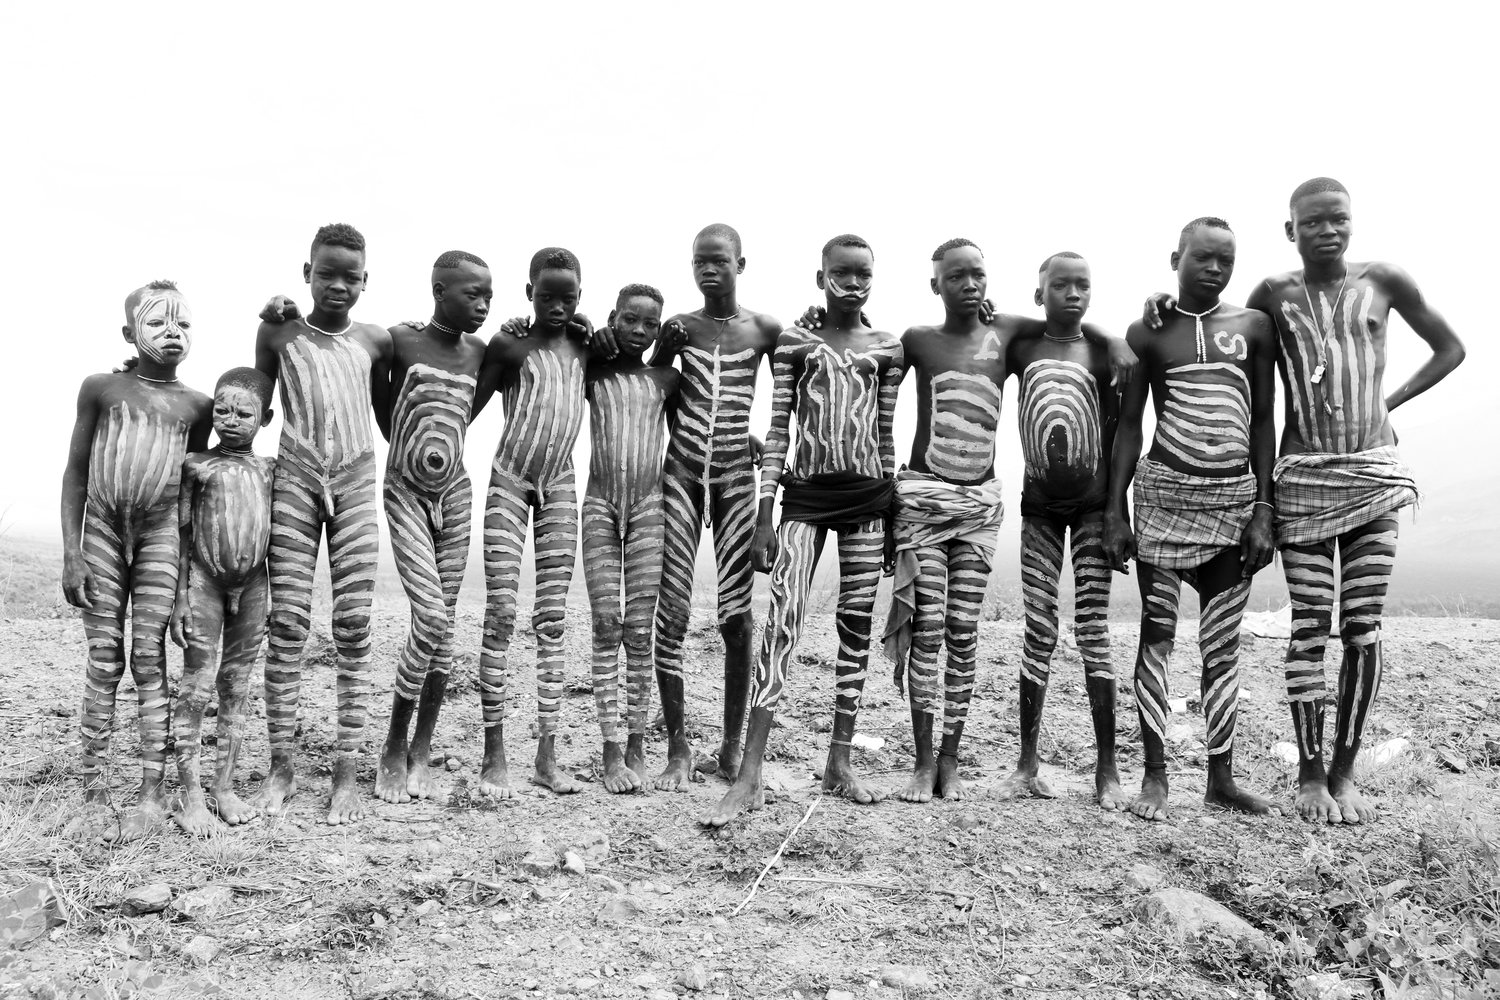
(429, 622)
(735, 628)
(672, 621)
(607, 629)
(548, 624)
(638, 638)
(1355, 632)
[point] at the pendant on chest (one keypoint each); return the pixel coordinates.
(1317, 375)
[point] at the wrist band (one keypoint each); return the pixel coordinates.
(1264, 503)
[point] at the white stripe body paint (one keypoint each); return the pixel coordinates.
(543, 414)
(428, 427)
(325, 401)
(964, 411)
(1059, 417)
(1205, 421)
(1344, 411)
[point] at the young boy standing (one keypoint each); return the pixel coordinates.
(842, 385)
(120, 544)
(540, 378)
(1067, 417)
(332, 372)
(225, 516)
(622, 524)
(1202, 500)
(708, 478)
(1339, 480)
(428, 504)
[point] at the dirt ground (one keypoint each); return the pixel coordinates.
(975, 899)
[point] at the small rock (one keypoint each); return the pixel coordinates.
(201, 950)
(1189, 914)
(584, 984)
(865, 742)
(539, 862)
(446, 940)
(694, 977)
(908, 978)
(27, 914)
(573, 863)
(1285, 752)
(1386, 753)
(606, 883)
(452, 764)
(1144, 877)
(591, 845)
(1324, 986)
(1180, 733)
(834, 994)
(645, 980)
(201, 904)
(660, 994)
(657, 842)
(151, 898)
(620, 909)
(968, 821)
(1177, 704)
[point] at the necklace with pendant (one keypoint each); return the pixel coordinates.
(1198, 329)
(1317, 321)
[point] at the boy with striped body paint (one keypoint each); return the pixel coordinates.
(630, 405)
(1067, 415)
(841, 383)
(540, 379)
(332, 373)
(1202, 500)
(1339, 480)
(120, 542)
(428, 503)
(224, 513)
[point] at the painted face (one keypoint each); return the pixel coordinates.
(464, 300)
(715, 265)
(636, 323)
(1321, 225)
(846, 277)
(554, 297)
(1207, 261)
(960, 280)
(238, 414)
(337, 276)
(163, 324)
(1066, 289)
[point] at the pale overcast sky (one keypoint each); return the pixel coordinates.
(207, 143)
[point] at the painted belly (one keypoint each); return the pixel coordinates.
(429, 427)
(1059, 417)
(136, 459)
(232, 521)
(962, 422)
(1205, 422)
(543, 414)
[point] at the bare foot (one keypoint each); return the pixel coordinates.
(193, 816)
(1225, 794)
(391, 773)
(922, 784)
(635, 754)
(230, 807)
(725, 764)
(839, 778)
(745, 795)
(679, 773)
(546, 772)
(279, 786)
(149, 813)
(949, 786)
(1024, 782)
(1151, 803)
(1107, 791)
(420, 784)
(1315, 804)
(1353, 807)
(617, 777)
(345, 805)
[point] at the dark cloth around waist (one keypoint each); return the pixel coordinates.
(1067, 510)
(842, 501)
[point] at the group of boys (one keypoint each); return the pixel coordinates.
(220, 545)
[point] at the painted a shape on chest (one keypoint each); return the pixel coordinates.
(136, 459)
(1206, 418)
(1059, 418)
(325, 396)
(429, 425)
(961, 436)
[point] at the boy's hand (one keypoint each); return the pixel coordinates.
(673, 336)
(763, 548)
(1157, 304)
(279, 309)
(1123, 364)
(79, 588)
(601, 342)
(129, 364)
(517, 326)
(1119, 543)
(987, 312)
(181, 622)
(813, 318)
(757, 450)
(1258, 544)
(416, 324)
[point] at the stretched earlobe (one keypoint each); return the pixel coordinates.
(932, 283)
(819, 280)
(739, 266)
(1176, 259)
(307, 273)
(270, 415)
(1036, 296)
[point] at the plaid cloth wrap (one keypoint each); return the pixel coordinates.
(1321, 495)
(930, 511)
(1183, 521)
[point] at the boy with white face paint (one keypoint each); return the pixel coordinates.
(120, 541)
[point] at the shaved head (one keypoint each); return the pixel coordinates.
(719, 231)
(1318, 185)
(146, 291)
(1202, 222)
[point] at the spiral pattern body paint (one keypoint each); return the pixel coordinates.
(1205, 422)
(1059, 416)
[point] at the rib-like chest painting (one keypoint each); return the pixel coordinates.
(1060, 435)
(965, 410)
